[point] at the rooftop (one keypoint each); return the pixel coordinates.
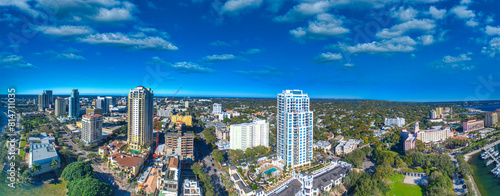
(42, 152)
(126, 159)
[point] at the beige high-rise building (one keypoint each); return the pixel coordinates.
(140, 117)
(91, 128)
(60, 107)
(491, 119)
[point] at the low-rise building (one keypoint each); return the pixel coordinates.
(323, 145)
(191, 188)
(45, 156)
(473, 125)
(168, 179)
(345, 147)
(114, 146)
(187, 120)
(129, 163)
(44, 138)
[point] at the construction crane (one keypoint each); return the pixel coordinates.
(171, 99)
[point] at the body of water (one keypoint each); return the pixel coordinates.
(486, 108)
(486, 182)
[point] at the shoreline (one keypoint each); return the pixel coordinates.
(479, 172)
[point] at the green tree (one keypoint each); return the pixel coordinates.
(218, 155)
(77, 170)
(88, 186)
(54, 163)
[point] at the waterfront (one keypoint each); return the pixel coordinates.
(486, 108)
(486, 182)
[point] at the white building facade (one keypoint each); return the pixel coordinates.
(294, 128)
(247, 135)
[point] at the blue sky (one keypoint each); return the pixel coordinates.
(423, 50)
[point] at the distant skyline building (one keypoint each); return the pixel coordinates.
(294, 128)
(247, 135)
(140, 117)
(217, 108)
(91, 128)
(491, 119)
(103, 103)
(45, 100)
(432, 114)
(74, 104)
(400, 122)
(60, 107)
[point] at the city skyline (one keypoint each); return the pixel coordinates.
(433, 50)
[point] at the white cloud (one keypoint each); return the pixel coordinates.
(349, 65)
(492, 30)
(425, 25)
(463, 12)
(253, 51)
(436, 13)
(471, 23)
(306, 9)
(459, 58)
(110, 11)
(426, 39)
(325, 25)
(220, 43)
(235, 6)
(455, 62)
(404, 14)
(493, 49)
(464, 2)
(113, 15)
(378, 47)
(70, 56)
(327, 58)
(219, 57)
(135, 42)
(182, 67)
(65, 30)
(12, 61)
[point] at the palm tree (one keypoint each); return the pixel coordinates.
(54, 163)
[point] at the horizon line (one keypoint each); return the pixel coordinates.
(261, 97)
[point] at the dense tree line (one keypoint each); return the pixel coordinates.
(205, 180)
(81, 181)
(249, 152)
(362, 184)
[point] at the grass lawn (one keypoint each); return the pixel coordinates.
(397, 187)
(23, 143)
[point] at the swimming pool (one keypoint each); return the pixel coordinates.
(270, 171)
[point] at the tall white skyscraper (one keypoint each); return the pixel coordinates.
(247, 135)
(217, 109)
(295, 128)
